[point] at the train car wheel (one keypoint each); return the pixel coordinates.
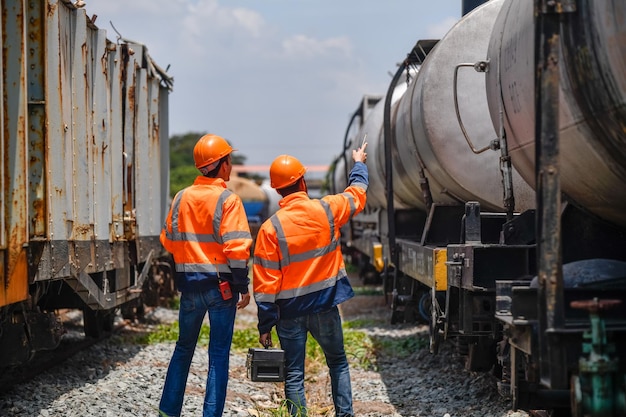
(424, 307)
(134, 310)
(97, 323)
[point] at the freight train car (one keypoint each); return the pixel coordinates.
(84, 175)
(496, 209)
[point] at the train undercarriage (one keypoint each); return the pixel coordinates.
(36, 323)
(474, 281)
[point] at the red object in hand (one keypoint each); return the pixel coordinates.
(227, 294)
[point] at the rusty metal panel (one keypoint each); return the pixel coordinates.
(36, 120)
(154, 123)
(143, 155)
(116, 142)
(165, 152)
(146, 156)
(101, 151)
(14, 232)
(147, 162)
(59, 118)
(73, 107)
(58, 159)
(151, 227)
(82, 166)
(129, 138)
(102, 136)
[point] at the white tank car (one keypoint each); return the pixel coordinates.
(428, 134)
(372, 127)
(592, 100)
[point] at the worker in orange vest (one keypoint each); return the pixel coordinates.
(299, 276)
(207, 233)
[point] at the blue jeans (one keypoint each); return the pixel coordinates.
(193, 307)
(326, 329)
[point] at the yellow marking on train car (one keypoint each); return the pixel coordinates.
(440, 269)
(377, 258)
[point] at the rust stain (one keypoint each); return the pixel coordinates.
(15, 289)
(104, 62)
(129, 191)
(15, 273)
(155, 129)
(103, 153)
(131, 97)
(82, 229)
(39, 205)
(51, 9)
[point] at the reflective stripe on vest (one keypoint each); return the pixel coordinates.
(177, 235)
(351, 201)
(287, 258)
(286, 294)
(202, 237)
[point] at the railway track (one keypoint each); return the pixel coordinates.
(73, 342)
(120, 377)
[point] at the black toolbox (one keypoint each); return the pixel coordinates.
(266, 365)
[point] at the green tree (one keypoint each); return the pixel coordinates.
(182, 168)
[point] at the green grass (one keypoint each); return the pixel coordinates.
(361, 349)
(368, 290)
(360, 323)
(351, 268)
(400, 347)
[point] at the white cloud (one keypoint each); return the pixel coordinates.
(274, 76)
(302, 46)
(250, 20)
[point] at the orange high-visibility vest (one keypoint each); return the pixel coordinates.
(206, 229)
(298, 264)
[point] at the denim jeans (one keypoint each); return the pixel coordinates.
(193, 307)
(326, 329)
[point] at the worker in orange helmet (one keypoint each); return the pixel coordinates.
(299, 276)
(207, 233)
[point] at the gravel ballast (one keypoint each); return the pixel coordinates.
(117, 378)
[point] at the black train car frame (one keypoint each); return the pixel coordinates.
(531, 287)
(84, 175)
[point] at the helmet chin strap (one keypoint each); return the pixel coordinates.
(206, 169)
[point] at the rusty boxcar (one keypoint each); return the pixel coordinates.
(84, 174)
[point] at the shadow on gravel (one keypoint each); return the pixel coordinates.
(417, 382)
(63, 374)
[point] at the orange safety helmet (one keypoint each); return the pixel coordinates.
(209, 150)
(285, 171)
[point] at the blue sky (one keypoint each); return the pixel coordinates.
(275, 76)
